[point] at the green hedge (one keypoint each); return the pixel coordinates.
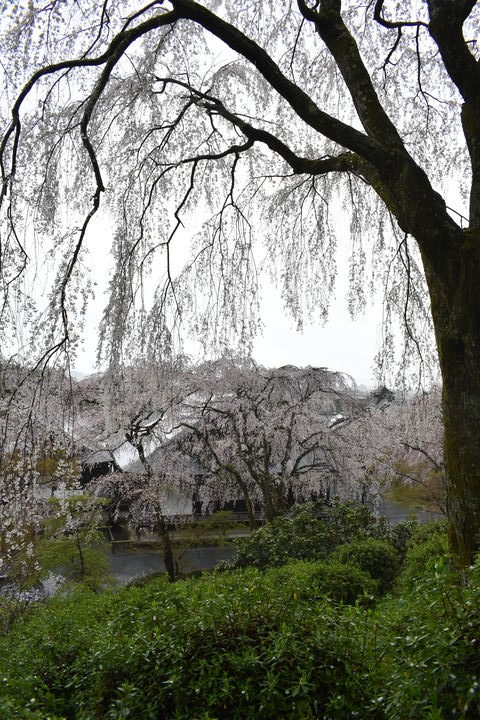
(377, 558)
(294, 642)
(313, 580)
(215, 647)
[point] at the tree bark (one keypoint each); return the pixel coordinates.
(274, 501)
(250, 511)
(82, 561)
(456, 314)
(162, 528)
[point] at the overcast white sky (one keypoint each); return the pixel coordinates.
(341, 344)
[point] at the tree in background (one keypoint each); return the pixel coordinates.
(27, 481)
(226, 430)
(136, 104)
(410, 451)
(72, 544)
(398, 444)
(263, 435)
(134, 410)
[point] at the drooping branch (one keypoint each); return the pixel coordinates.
(331, 28)
(336, 130)
(393, 24)
(110, 57)
(438, 466)
(116, 50)
(399, 180)
(344, 162)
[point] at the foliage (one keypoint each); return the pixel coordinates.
(72, 544)
(248, 645)
(313, 531)
(383, 101)
(24, 477)
(431, 662)
(340, 581)
(12, 606)
(426, 547)
(379, 559)
(221, 646)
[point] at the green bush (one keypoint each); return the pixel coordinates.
(398, 535)
(12, 607)
(224, 646)
(250, 645)
(427, 545)
(377, 558)
(312, 532)
(313, 580)
(430, 663)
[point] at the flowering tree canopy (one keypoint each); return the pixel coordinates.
(263, 435)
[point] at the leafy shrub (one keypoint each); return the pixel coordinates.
(224, 646)
(426, 531)
(14, 712)
(427, 545)
(398, 535)
(248, 645)
(12, 607)
(312, 532)
(431, 661)
(71, 545)
(376, 557)
(312, 580)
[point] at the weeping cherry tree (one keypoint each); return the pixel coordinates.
(259, 123)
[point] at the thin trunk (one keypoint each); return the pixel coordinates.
(161, 525)
(250, 511)
(82, 561)
(168, 558)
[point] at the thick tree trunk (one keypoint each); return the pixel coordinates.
(461, 407)
(274, 500)
(456, 314)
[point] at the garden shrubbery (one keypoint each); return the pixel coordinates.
(225, 646)
(297, 640)
(341, 582)
(376, 557)
(427, 545)
(313, 531)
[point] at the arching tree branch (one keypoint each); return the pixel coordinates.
(331, 28)
(302, 104)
